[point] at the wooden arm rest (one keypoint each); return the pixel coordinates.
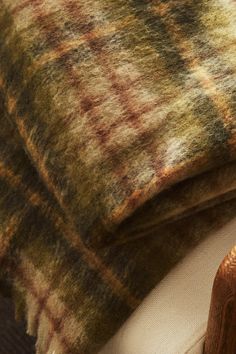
(221, 330)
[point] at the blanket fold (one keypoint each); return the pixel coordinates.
(117, 154)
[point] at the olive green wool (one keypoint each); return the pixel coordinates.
(117, 154)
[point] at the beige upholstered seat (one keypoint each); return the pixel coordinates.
(173, 318)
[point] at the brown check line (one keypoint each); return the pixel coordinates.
(116, 85)
(134, 194)
(21, 274)
(42, 303)
(12, 228)
(69, 233)
(76, 82)
(87, 105)
(87, 102)
(69, 45)
(206, 82)
(132, 114)
(40, 16)
(186, 48)
(104, 63)
(121, 91)
(97, 33)
(51, 333)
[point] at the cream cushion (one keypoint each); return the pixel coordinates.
(173, 317)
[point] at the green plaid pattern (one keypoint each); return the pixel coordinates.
(117, 154)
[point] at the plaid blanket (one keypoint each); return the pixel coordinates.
(117, 154)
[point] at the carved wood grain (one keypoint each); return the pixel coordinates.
(221, 329)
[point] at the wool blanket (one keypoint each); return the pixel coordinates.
(117, 154)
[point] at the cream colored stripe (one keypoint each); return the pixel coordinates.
(68, 45)
(25, 277)
(70, 327)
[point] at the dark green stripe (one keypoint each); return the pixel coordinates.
(203, 107)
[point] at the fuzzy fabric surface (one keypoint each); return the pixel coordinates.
(117, 154)
(13, 339)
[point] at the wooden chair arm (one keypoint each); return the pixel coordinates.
(221, 329)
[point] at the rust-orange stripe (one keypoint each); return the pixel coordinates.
(9, 232)
(71, 235)
(186, 49)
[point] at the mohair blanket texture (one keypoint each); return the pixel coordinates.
(13, 339)
(117, 154)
